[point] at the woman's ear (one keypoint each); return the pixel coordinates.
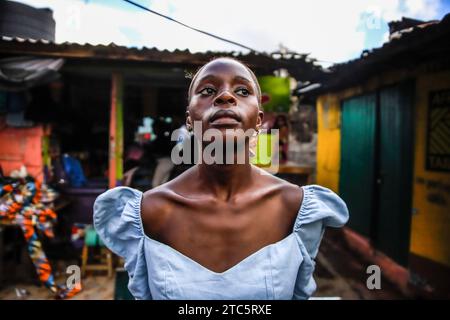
(259, 120)
(189, 124)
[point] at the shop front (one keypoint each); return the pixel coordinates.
(103, 119)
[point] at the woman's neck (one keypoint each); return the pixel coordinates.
(225, 180)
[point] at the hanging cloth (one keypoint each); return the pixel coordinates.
(21, 204)
(18, 73)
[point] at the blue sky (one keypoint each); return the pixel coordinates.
(330, 30)
(375, 37)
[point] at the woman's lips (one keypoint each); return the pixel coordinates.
(224, 121)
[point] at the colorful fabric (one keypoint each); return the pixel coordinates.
(25, 202)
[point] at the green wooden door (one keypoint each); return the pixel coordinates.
(356, 181)
(376, 167)
(394, 179)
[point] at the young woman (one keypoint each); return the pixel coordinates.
(220, 231)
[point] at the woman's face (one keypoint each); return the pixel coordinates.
(224, 96)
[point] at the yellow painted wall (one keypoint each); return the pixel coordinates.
(328, 142)
(430, 233)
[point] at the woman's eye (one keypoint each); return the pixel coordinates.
(207, 91)
(243, 92)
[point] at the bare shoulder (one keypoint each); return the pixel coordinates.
(291, 194)
(155, 209)
(158, 203)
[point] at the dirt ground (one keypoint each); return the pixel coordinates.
(96, 287)
(340, 273)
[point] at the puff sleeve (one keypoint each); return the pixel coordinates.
(320, 208)
(118, 223)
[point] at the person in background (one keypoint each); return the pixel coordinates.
(132, 161)
(162, 147)
(281, 124)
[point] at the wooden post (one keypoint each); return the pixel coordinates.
(119, 131)
(116, 131)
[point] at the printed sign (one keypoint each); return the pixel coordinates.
(438, 132)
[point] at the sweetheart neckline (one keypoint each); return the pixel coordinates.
(230, 269)
(192, 261)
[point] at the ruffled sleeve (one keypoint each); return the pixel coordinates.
(320, 208)
(118, 223)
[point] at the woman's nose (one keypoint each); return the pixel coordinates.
(225, 98)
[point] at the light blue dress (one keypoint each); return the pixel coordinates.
(283, 270)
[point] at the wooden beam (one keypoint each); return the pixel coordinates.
(116, 131)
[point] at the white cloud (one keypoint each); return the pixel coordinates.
(329, 30)
(422, 9)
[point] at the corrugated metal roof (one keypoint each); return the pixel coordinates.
(402, 40)
(300, 66)
(407, 49)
